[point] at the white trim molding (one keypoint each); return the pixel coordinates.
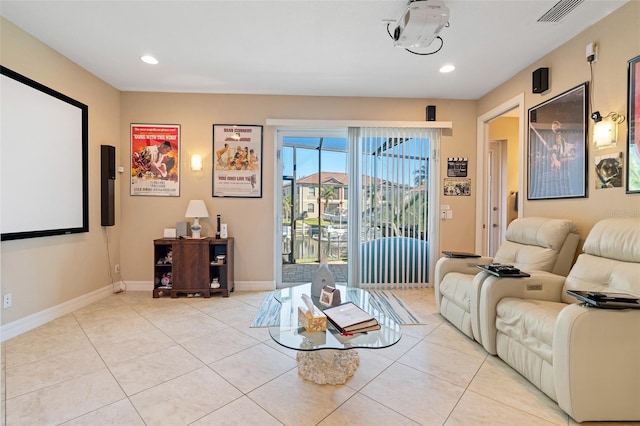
(315, 124)
(30, 322)
(15, 328)
(481, 165)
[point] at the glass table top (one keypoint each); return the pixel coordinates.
(289, 334)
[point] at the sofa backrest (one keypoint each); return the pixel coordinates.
(540, 244)
(610, 260)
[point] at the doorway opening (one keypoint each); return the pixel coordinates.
(359, 200)
(500, 173)
(314, 204)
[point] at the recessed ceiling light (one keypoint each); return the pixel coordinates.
(447, 68)
(147, 59)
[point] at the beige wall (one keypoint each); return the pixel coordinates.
(251, 221)
(618, 39)
(45, 272)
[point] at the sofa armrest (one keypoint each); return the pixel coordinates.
(540, 286)
(596, 363)
(465, 265)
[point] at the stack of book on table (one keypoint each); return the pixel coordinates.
(349, 318)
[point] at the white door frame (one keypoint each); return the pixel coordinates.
(482, 204)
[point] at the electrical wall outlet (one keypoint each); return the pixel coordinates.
(592, 52)
(7, 300)
(116, 268)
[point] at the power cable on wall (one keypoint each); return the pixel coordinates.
(113, 283)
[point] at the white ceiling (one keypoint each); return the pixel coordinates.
(300, 47)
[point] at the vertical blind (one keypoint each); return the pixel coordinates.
(392, 169)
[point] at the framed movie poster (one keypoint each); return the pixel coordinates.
(633, 135)
(557, 153)
(237, 161)
(155, 160)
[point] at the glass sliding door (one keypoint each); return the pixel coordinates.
(315, 203)
(395, 223)
(360, 200)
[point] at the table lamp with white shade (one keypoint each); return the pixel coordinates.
(196, 210)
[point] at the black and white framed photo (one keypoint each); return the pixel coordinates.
(237, 162)
(557, 150)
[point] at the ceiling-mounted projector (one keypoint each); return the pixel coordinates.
(420, 24)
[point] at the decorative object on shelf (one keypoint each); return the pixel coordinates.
(166, 280)
(633, 134)
(182, 229)
(237, 167)
(215, 283)
(167, 259)
(196, 210)
(557, 157)
(223, 231)
(155, 159)
(218, 227)
(321, 277)
(170, 233)
(220, 258)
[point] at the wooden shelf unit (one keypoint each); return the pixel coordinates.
(193, 266)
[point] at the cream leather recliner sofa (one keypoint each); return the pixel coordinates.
(586, 359)
(531, 244)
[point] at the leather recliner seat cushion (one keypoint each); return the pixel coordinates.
(525, 338)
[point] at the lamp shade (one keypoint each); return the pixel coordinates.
(196, 162)
(197, 208)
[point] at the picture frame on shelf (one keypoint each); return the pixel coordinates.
(557, 146)
(633, 135)
(237, 161)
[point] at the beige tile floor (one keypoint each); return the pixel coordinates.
(130, 359)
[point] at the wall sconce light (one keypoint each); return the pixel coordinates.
(605, 132)
(196, 162)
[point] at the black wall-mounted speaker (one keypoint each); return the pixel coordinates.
(431, 113)
(107, 185)
(540, 80)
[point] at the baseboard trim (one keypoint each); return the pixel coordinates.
(255, 285)
(138, 286)
(15, 328)
(30, 322)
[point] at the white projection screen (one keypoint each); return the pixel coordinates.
(43, 159)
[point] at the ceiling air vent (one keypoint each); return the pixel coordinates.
(559, 10)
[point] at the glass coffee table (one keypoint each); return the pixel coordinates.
(329, 357)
